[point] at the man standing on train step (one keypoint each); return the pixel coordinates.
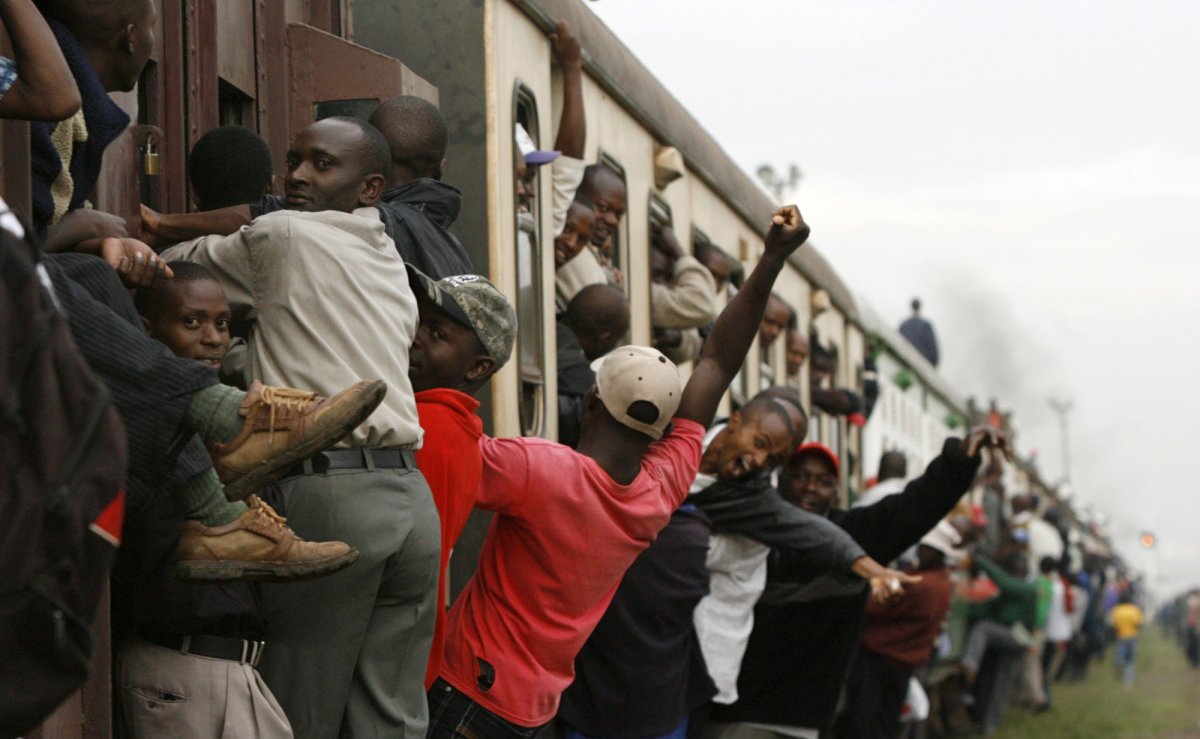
(332, 299)
(570, 523)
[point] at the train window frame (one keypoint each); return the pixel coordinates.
(620, 256)
(528, 272)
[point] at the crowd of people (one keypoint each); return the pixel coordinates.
(293, 386)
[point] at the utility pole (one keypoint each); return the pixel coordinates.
(1063, 409)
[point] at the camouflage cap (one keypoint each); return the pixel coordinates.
(475, 303)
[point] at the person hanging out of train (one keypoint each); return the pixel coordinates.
(593, 324)
(465, 334)
(683, 296)
(749, 521)
(779, 655)
(228, 166)
(685, 639)
(333, 301)
(714, 260)
(517, 626)
(796, 355)
(168, 404)
(604, 190)
(194, 648)
(822, 376)
(416, 207)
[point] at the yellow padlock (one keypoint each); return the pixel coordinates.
(150, 159)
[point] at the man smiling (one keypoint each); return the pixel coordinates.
(333, 301)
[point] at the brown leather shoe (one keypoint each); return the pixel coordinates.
(259, 545)
(284, 426)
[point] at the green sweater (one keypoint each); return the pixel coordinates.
(1017, 601)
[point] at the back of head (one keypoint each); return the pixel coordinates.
(1047, 565)
(916, 305)
(417, 136)
(640, 388)
(599, 316)
(117, 34)
(892, 464)
(229, 165)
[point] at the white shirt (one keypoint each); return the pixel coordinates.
(1058, 622)
(724, 618)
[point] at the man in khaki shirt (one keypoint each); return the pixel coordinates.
(332, 301)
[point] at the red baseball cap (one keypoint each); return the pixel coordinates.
(815, 447)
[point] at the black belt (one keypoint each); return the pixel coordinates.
(358, 458)
(242, 651)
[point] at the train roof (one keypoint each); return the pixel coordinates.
(618, 71)
(873, 323)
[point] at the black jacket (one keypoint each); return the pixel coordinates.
(575, 378)
(417, 215)
(805, 631)
(641, 671)
(751, 507)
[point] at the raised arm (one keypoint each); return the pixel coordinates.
(572, 128)
(736, 327)
(45, 88)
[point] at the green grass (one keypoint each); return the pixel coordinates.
(1163, 703)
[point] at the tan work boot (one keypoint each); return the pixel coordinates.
(284, 426)
(259, 545)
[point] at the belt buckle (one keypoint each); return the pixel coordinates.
(252, 652)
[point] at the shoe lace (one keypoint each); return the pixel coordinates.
(265, 511)
(283, 398)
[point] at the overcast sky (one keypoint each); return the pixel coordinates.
(1030, 169)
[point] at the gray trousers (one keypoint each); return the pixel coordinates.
(346, 654)
(994, 692)
(165, 693)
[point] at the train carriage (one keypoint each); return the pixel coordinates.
(275, 65)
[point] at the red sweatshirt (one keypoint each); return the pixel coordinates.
(450, 461)
(905, 631)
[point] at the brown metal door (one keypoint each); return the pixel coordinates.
(331, 76)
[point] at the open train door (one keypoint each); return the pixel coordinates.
(331, 76)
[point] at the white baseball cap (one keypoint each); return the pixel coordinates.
(632, 374)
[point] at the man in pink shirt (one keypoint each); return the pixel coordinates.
(570, 522)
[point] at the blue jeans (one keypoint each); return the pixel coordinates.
(452, 714)
(1125, 655)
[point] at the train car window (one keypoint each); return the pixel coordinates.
(620, 239)
(660, 215)
(530, 347)
(234, 107)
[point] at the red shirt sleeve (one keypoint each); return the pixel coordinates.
(675, 458)
(504, 487)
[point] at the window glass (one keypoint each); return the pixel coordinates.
(530, 347)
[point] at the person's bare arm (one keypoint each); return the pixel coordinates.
(737, 325)
(572, 128)
(164, 229)
(82, 229)
(45, 89)
(886, 584)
